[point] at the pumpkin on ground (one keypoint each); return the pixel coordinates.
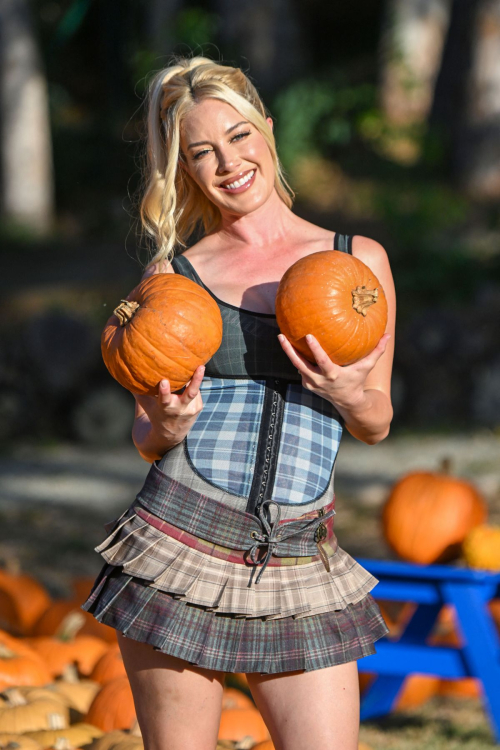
(113, 707)
(117, 740)
(75, 735)
(338, 299)
(239, 723)
(481, 547)
(78, 693)
(68, 647)
(25, 711)
(428, 515)
(166, 328)
(234, 698)
(22, 599)
(51, 619)
(109, 667)
(416, 690)
(19, 664)
(11, 741)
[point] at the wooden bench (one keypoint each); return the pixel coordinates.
(431, 587)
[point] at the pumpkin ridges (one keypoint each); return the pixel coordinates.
(315, 292)
(177, 327)
(428, 514)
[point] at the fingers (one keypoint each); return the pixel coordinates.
(164, 393)
(193, 386)
(301, 363)
(323, 361)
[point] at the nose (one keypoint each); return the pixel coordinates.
(228, 160)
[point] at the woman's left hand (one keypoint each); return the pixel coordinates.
(343, 386)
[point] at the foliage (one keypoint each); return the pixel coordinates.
(315, 113)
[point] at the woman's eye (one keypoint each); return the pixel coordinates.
(238, 136)
(200, 153)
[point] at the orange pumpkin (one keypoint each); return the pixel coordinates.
(234, 698)
(113, 707)
(51, 620)
(109, 667)
(67, 647)
(166, 328)
(428, 515)
(338, 299)
(238, 723)
(19, 664)
(416, 690)
(22, 599)
(464, 687)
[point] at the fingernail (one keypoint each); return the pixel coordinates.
(308, 337)
(281, 337)
(164, 383)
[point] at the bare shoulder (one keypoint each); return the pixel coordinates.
(161, 267)
(370, 252)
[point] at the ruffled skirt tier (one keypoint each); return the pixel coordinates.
(198, 606)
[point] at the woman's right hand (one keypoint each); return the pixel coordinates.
(164, 421)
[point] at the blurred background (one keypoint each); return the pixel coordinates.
(387, 118)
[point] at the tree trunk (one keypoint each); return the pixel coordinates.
(26, 152)
(479, 148)
(411, 50)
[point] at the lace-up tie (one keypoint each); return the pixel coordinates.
(273, 534)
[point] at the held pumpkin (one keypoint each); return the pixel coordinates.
(338, 299)
(166, 328)
(428, 515)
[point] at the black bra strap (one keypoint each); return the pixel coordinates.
(181, 265)
(343, 242)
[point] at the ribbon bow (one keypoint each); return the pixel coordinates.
(272, 535)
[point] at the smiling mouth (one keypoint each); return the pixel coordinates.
(239, 183)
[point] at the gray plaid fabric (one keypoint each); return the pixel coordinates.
(203, 579)
(222, 443)
(310, 439)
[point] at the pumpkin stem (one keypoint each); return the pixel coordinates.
(445, 466)
(14, 697)
(62, 743)
(362, 298)
(6, 652)
(70, 625)
(126, 311)
(135, 729)
(70, 673)
(245, 743)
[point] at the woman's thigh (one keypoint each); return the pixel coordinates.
(178, 705)
(316, 710)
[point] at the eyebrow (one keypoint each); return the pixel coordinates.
(233, 127)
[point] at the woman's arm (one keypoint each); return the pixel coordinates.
(361, 392)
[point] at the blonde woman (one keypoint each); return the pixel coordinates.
(227, 560)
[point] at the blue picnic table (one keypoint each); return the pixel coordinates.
(430, 587)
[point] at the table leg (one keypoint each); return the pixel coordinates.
(382, 694)
(481, 649)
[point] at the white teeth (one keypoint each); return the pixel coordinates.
(241, 182)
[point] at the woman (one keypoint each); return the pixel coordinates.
(227, 559)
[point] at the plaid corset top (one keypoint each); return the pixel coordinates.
(260, 436)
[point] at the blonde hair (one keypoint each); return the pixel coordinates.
(172, 205)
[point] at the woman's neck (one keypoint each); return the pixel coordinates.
(265, 226)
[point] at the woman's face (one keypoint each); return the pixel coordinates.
(227, 157)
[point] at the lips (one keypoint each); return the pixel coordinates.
(236, 179)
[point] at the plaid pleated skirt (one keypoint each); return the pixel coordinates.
(197, 600)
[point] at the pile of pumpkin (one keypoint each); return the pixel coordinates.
(63, 683)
